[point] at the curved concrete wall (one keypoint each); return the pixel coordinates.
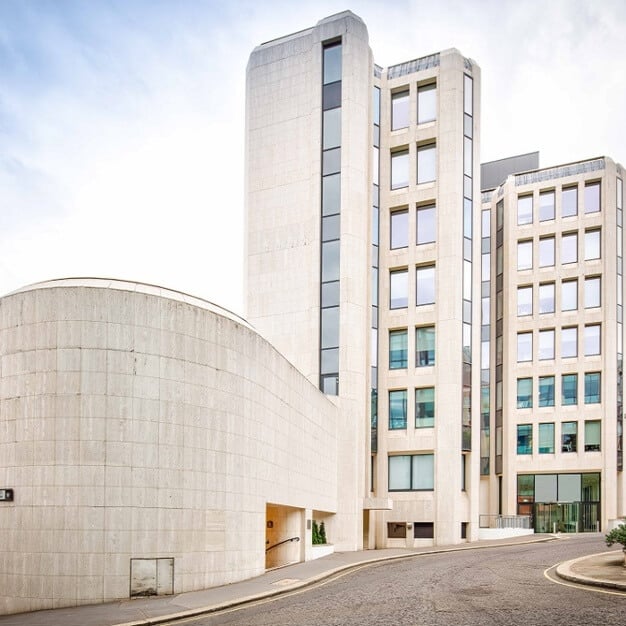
(136, 422)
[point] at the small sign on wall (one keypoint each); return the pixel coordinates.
(6, 495)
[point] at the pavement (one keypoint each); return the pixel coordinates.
(604, 570)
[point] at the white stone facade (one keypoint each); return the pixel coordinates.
(139, 423)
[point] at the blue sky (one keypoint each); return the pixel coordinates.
(121, 122)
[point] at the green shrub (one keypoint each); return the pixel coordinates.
(322, 533)
(617, 535)
(316, 534)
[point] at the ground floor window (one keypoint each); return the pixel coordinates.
(396, 530)
(423, 530)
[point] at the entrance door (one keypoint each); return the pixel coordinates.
(566, 517)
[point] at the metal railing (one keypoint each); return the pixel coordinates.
(280, 543)
(505, 521)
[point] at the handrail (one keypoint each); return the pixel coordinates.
(280, 543)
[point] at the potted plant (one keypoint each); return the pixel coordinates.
(618, 535)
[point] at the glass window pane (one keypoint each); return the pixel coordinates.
(426, 163)
(332, 128)
(590, 487)
(569, 342)
(524, 393)
(592, 292)
(399, 473)
(546, 438)
(330, 361)
(331, 96)
(330, 261)
(569, 487)
(592, 339)
(399, 289)
(467, 156)
(332, 63)
(546, 391)
(525, 210)
(569, 201)
(399, 110)
(546, 206)
(569, 295)
(423, 472)
(592, 436)
(569, 436)
(425, 346)
(592, 388)
(592, 197)
(331, 161)
(425, 285)
(524, 255)
(399, 229)
(486, 223)
(425, 407)
(468, 95)
(397, 409)
(426, 103)
(426, 225)
(546, 298)
(524, 301)
(399, 169)
(398, 349)
(569, 248)
(569, 389)
(330, 327)
(486, 266)
(524, 439)
(524, 347)
(330, 227)
(546, 252)
(545, 487)
(592, 245)
(331, 194)
(546, 344)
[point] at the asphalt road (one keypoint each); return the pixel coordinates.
(486, 587)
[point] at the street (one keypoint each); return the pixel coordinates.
(492, 586)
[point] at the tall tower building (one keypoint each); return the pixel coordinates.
(362, 205)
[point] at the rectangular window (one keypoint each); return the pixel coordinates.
(426, 225)
(569, 436)
(592, 388)
(524, 210)
(423, 530)
(546, 252)
(546, 206)
(425, 407)
(524, 301)
(524, 347)
(398, 349)
(414, 472)
(592, 244)
(546, 344)
(546, 298)
(425, 285)
(546, 390)
(569, 389)
(332, 63)
(592, 197)
(569, 342)
(399, 110)
(426, 103)
(425, 346)
(592, 339)
(569, 295)
(569, 248)
(592, 292)
(399, 169)
(396, 530)
(397, 409)
(524, 255)
(399, 289)
(399, 229)
(426, 163)
(592, 436)
(330, 261)
(546, 438)
(569, 201)
(524, 439)
(332, 129)
(524, 393)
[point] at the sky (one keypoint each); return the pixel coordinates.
(122, 121)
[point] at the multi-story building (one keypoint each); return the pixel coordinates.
(553, 344)
(471, 340)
